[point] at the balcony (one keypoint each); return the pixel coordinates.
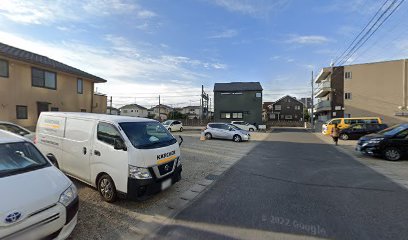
(323, 89)
(323, 74)
(323, 106)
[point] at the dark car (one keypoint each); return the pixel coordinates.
(390, 143)
(356, 131)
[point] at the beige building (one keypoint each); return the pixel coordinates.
(31, 83)
(364, 90)
(133, 110)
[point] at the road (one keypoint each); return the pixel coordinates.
(294, 186)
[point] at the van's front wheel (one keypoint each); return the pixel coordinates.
(107, 188)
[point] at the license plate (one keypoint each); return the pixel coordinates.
(166, 184)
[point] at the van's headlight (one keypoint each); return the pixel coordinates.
(375, 140)
(139, 173)
(68, 195)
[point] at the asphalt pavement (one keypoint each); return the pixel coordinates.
(295, 186)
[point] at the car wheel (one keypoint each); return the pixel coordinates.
(107, 188)
(237, 138)
(208, 136)
(181, 129)
(251, 129)
(392, 154)
(344, 136)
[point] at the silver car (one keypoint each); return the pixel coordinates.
(226, 131)
(14, 128)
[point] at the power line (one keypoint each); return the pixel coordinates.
(365, 27)
(386, 18)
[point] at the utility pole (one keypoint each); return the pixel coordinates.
(110, 106)
(312, 112)
(209, 110)
(159, 109)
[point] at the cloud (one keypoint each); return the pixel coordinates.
(229, 33)
(253, 8)
(47, 12)
(308, 39)
(123, 64)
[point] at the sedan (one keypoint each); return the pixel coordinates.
(355, 131)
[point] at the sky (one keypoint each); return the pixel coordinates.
(170, 48)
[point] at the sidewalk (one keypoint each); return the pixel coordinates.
(396, 171)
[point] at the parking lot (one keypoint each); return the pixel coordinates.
(203, 162)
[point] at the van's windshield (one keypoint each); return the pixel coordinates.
(20, 157)
(145, 135)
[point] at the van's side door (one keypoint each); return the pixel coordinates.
(77, 147)
(105, 158)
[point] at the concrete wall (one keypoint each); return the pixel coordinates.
(18, 90)
(247, 103)
(377, 90)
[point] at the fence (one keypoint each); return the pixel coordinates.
(194, 122)
(281, 123)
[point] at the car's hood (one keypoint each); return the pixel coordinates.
(373, 135)
(31, 191)
(156, 156)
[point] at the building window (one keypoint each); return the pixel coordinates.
(4, 68)
(225, 115)
(21, 112)
(288, 107)
(54, 109)
(44, 79)
(278, 107)
(297, 107)
(125, 111)
(258, 95)
(347, 75)
(83, 110)
(237, 115)
(80, 86)
(347, 115)
(288, 116)
(347, 96)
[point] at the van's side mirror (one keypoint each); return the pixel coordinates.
(119, 145)
(22, 133)
(231, 129)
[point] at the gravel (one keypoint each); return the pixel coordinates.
(121, 220)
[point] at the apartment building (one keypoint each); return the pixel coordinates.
(32, 83)
(238, 101)
(133, 110)
(364, 90)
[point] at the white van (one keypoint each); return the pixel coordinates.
(37, 200)
(126, 156)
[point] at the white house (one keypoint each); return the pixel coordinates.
(133, 110)
(192, 112)
(112, 111)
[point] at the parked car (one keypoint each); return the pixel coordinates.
(37, 200)
(355, 131)
(346, 122)
(118, 155)
(225, 131)
(390, 143)
(244, 125)
(173, 125)
(14, 128)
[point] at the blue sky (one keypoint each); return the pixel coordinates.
(147, 48)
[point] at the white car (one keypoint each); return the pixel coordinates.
(244, 125)
(118, 155)
(173, 125)
(226, 131)
(37, 200)
(14, 128)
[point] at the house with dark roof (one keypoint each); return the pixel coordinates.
(238, 101)
(133, 110)
(31, 83)
(286, 108)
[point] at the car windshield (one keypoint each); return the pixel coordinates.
(391, 131)
(168, 122)
(20, 157)
(234, 127)
(145, 135)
